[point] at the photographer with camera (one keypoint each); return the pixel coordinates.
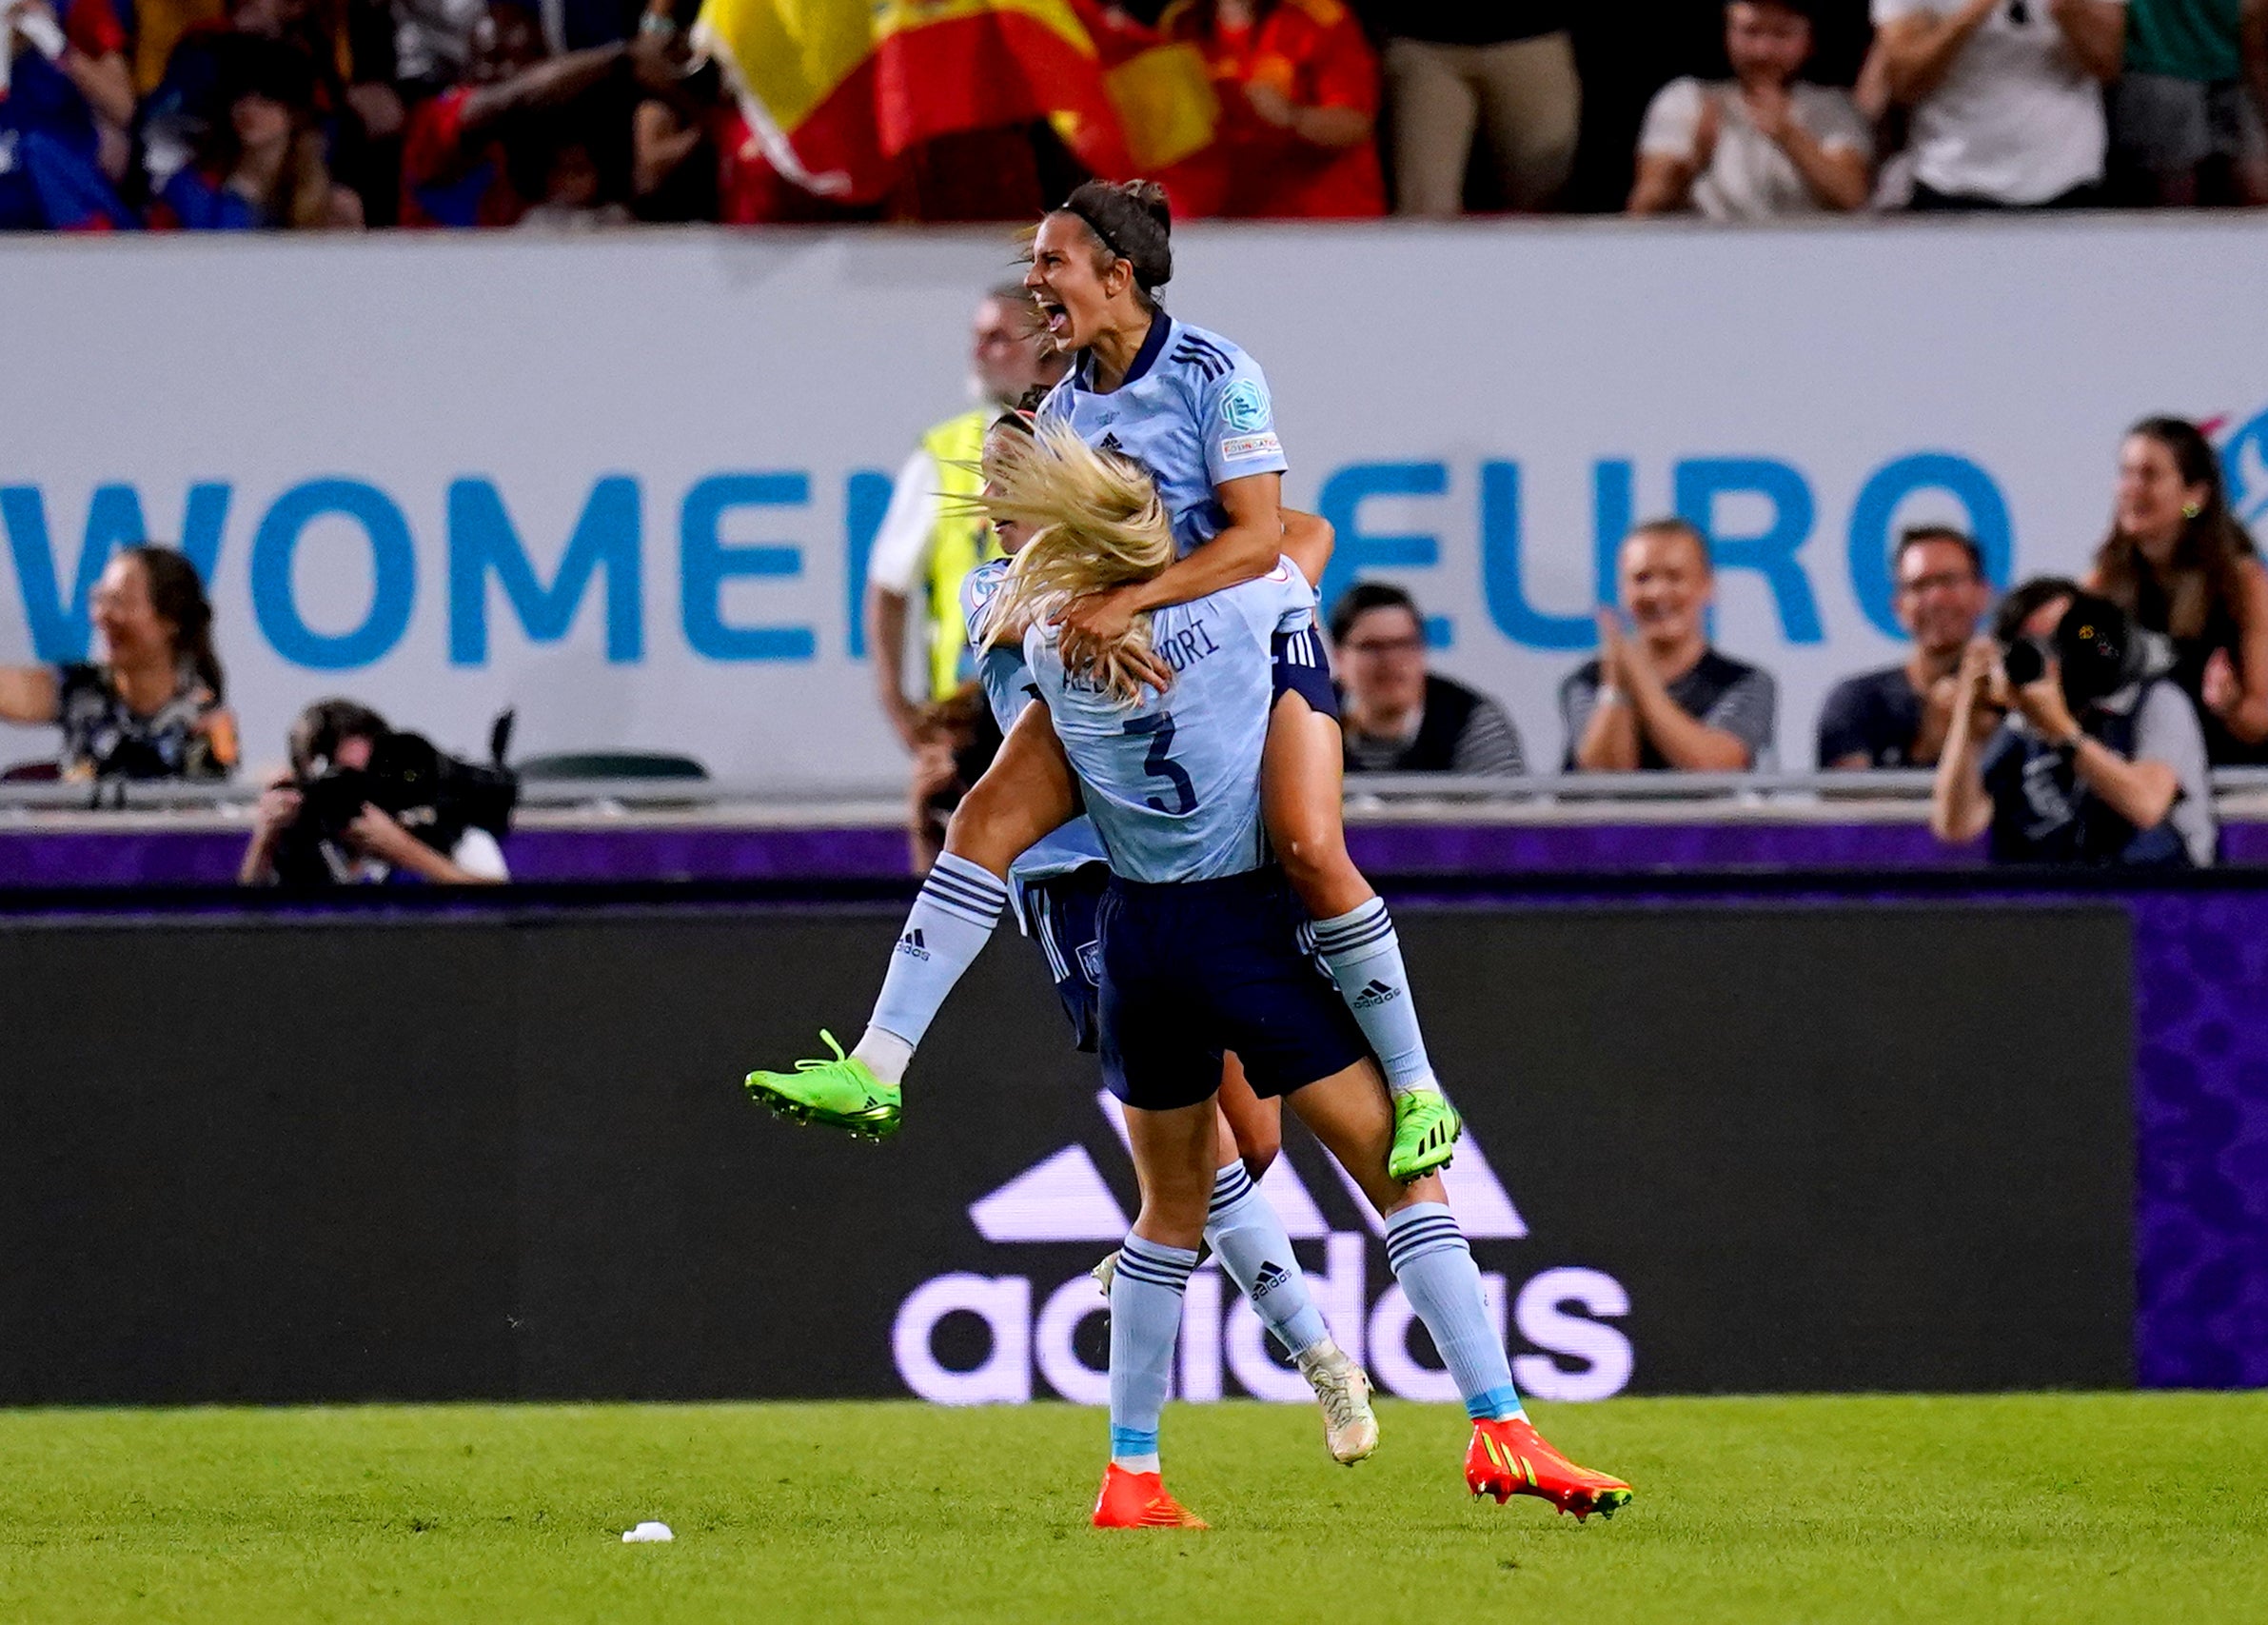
(2098, 759)
(361, 804)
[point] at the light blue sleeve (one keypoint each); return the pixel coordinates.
(1008, 688)
(1236, 418)
(1296, 609)
(1007, 680)
(1054, 406)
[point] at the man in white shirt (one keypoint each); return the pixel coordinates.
(1767, 144)
(928, 541)
(2006, 96)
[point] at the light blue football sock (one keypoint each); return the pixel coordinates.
(1248, 1237)
(1365, 957)
(1428, 1254)
(951, 922)
(1145, 1318)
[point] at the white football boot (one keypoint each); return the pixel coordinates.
(1344, 1393)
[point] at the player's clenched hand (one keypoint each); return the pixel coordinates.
(1095, 623)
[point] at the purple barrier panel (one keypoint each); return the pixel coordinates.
(147, 857)
(2201, 1123)
(1512, 849)
(702, 854)
(123, 858)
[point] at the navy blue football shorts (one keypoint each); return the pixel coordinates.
(1060, 910)
(1301, 668)
(1193, 971)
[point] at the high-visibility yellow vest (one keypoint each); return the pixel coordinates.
(958, 542)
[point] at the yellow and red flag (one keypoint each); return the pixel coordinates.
(835, 90)
(1161, 88)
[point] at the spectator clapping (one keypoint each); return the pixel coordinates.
(2006, 97)
(1764, 144)
(1658, 696)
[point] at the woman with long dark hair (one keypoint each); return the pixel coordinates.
(1193, 409)
(2178, 560)
(151, 707)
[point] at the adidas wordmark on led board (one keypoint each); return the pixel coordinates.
(1064, 1200)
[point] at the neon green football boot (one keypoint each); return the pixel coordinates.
(1425, 1130)
(841, 1092)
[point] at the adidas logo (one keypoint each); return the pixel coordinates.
(912, 944)
(1042, 1327)
(1110, 443)
(1375, 995)
(1064, 1197)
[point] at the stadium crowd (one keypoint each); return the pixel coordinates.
(2177, 588)
(235, 115)
(2072, 720)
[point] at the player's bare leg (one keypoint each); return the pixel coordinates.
(1301, 775)
(1248, 1240)
(1026, 793)
(1174, 1155)
(1255, 1127)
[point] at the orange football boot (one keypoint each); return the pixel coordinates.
(1138, 1501)
(1510, 1458)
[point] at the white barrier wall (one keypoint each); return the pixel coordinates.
(383, 452)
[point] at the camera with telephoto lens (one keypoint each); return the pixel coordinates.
(2093, 647)
(435, 795)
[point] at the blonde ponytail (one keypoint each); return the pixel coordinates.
(1097, 523)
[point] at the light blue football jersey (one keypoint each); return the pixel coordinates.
(1173, 780)
(1009, 688)
(1195, 410)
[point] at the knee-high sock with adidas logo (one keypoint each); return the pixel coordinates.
(1248, 1237)
(1145, 1318)
(1365, 956)
(951, 922)
(1429, 1258)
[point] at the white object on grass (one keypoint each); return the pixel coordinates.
(647, 1530)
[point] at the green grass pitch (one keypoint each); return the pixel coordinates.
(2048, 1507)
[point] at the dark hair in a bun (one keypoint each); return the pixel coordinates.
(1133, 220)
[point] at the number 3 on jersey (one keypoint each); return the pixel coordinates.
(1159, 765)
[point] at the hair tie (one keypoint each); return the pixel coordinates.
(1101, 234)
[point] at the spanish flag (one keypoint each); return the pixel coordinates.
(835, 90)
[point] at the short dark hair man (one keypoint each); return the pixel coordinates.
(1662, 698)
(2100, 758)
(1896, 717)
(1394, 715)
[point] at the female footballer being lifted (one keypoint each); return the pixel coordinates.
(1193, 411)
